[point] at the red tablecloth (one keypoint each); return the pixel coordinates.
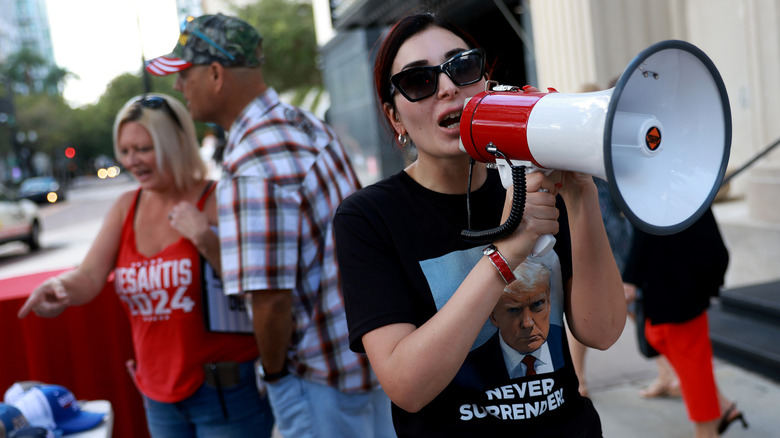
(84, 349)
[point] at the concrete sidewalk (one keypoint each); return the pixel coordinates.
(615, 377)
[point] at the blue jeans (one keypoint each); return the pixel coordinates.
(200, 415)
(305, 409)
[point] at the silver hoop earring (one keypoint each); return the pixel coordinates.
(403, 139)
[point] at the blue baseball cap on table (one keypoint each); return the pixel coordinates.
(55, 407)
(13, 424)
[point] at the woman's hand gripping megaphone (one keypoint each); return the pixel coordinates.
(523, 207)
(545, 243)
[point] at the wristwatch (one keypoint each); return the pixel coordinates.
(499, 262)
(273, 376)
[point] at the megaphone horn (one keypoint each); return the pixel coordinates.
(661, 137)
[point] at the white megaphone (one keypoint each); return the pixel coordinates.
(661, 137)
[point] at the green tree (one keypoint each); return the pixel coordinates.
(55, 78)
(91, 132)
(39, 113)
(29, 73)
(291, 67)
(48, 116)
(19, 68)
(289, 43)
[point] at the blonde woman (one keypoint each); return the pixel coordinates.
(194, 382)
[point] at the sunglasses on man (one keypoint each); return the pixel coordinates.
(418, 83)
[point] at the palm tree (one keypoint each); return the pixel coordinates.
(55, 79)
(20, 67)
(29, 73)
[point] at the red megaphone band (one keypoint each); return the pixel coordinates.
(500, 118)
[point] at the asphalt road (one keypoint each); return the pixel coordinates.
(67, 228)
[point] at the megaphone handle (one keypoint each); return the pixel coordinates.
(545, 242)
(543, 245)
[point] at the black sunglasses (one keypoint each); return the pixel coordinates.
(157, 102)
(418, 83)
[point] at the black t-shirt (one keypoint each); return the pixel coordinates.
(401, 256)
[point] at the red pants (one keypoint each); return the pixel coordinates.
(688, 348)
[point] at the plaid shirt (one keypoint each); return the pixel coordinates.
(285, 172)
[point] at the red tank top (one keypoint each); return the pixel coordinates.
(162, 297)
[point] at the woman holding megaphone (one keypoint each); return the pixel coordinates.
(419, 297)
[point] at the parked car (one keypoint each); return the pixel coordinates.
(19, 220)
(42, 190)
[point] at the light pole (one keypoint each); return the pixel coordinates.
(146, 78)
(23, 147)
(19, 169)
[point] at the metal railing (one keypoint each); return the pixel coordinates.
(750, 162)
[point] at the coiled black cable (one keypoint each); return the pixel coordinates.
(515, 214)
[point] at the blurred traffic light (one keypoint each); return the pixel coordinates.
(70, 152)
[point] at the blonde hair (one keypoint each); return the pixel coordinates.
(175, 144)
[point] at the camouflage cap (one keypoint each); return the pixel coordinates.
(227, 40)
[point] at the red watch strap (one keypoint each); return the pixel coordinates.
(499, 262)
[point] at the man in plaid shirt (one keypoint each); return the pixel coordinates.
(284, 174)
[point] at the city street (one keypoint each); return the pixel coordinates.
(68, 227)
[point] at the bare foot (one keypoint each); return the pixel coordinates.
(661, 389)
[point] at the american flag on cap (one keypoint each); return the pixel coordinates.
(164, 65)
